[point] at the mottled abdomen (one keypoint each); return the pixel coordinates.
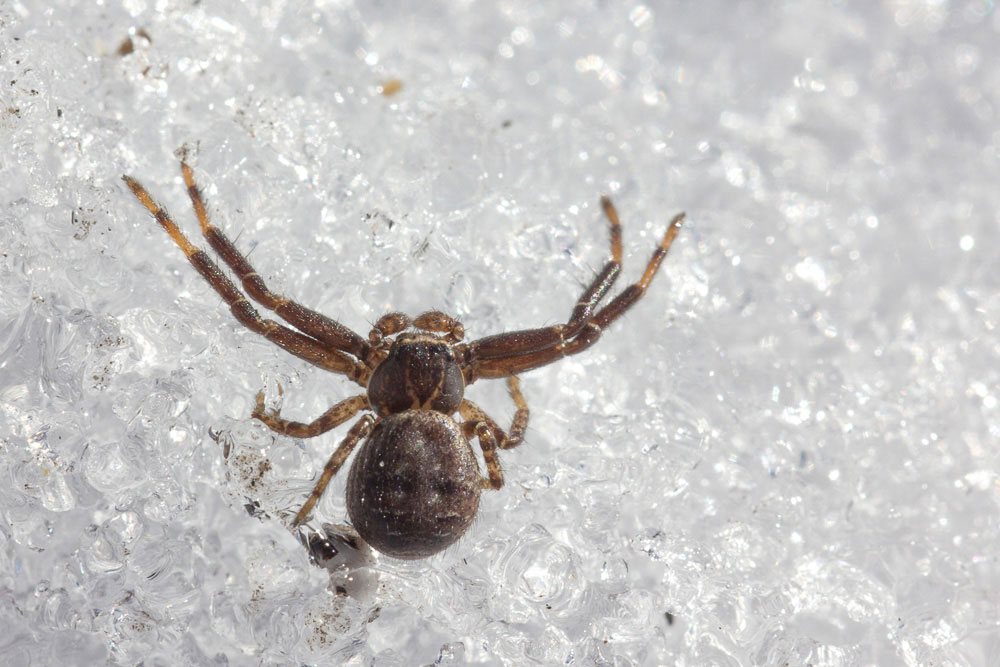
(414, 486)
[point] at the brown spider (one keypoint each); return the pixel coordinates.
(414, 486)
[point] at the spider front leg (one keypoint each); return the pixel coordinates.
(317, 325)
(510, 355)
(532, 340)
(330, 419)
(295, 342)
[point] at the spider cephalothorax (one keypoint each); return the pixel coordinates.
(420, 373)
(414, 486)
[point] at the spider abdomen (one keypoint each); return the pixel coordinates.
(414, 486)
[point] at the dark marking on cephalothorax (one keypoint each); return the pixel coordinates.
(420, 373)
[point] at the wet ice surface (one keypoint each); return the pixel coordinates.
(786, 453)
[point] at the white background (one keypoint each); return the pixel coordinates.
(789, 447)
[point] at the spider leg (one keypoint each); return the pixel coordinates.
(358, 432)
(518, 361)
(473, 413)
(488, 443)
(531, 340)
(297, 343)
(491, 437)
(317, 325)
(330, 419)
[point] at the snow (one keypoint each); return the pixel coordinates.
(786, 453)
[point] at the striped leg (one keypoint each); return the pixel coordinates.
(299, 344)
(319, 326)
(517, 359)
(533, 340)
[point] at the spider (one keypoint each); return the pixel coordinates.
(414, 486)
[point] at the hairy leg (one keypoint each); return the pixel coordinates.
(299, 344)
(358, 432)
(330, 419)
(317, 325)
(532, 340)
(518, 362)
(472, 413)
